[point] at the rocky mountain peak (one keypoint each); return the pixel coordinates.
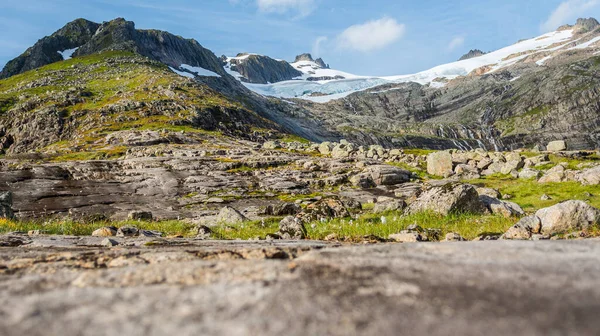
(304, 57)
(586, 25)
(322, 63)
(472, 54)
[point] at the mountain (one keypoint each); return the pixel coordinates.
(89, 80)
(471, 54)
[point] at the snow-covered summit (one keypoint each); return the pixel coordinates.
(319, 83)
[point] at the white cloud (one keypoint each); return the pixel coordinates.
(301, 7)
(371, 35)
(316, 50)
(456, 42)
(567, 12)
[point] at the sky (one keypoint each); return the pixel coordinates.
(374, 37)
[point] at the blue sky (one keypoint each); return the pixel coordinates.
(375, 37)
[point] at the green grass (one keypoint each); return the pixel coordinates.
(468, 226)
(527, 193)
(80, 228)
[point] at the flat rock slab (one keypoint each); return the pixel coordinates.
(193, 287)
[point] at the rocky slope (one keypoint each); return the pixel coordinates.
(472, 53)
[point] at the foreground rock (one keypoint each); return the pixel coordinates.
(190, 287)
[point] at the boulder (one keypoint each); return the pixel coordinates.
(107, 242)
(342, 151)
(449, 198)
(229, 215)
(440, 164)
(590, 176)
(568, 216)
(493, 193)
(406, 237)
(528, 174)
(128, 231)
(6, 201)
(292, 228)
(325, 148)
(504, 208)
(557, 146)
(524, 229)
(363, 181)
(555, 174)
(107, 231)
(330, 207)
(388, 175)
(391, 205)
(272, 145)
(283, 209)
(140, 215)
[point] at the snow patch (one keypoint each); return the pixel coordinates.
(67, 54)
(200, 71)
(543, 60)
(182, 73)
(586, 44)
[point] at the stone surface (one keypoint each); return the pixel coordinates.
(229, 215)
(504, 208)
(140, 215)
(557, 146)
(524, 229)
(449, 198)
(568, 216)
(440, 164)
(388, 175)
(390, 205)
(292, 228)
(107, 231)
(300, 288)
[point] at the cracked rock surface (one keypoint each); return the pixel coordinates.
(75, 286)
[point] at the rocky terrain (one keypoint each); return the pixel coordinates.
(70, 286)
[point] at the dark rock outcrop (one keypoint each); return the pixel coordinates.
(260, 69)
(472, 54)
(45, 51)
(586, 25)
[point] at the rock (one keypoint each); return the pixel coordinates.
(342, 151)
(330, 207)
(140, 215)
(557, 146)
(392, 205)
(545, 197)
(493, 193)
(524, 229)
(325, 148)
(272, 145)
(6, 201)
(449, 198)
(107, 242)
(107, 231)
(555, 174)
(388, 175)
(568, 216)
(13, 241)
(453, 237)
(406, 237)
(504, 208)
(292, 228)
(363, 181)
(203, 232)
(528, 174)
(37, 232)
(283, 209)
(150, 233)
(128, 231)
(440, 164)
(590, 176)
(408, 191)
(229, 215)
